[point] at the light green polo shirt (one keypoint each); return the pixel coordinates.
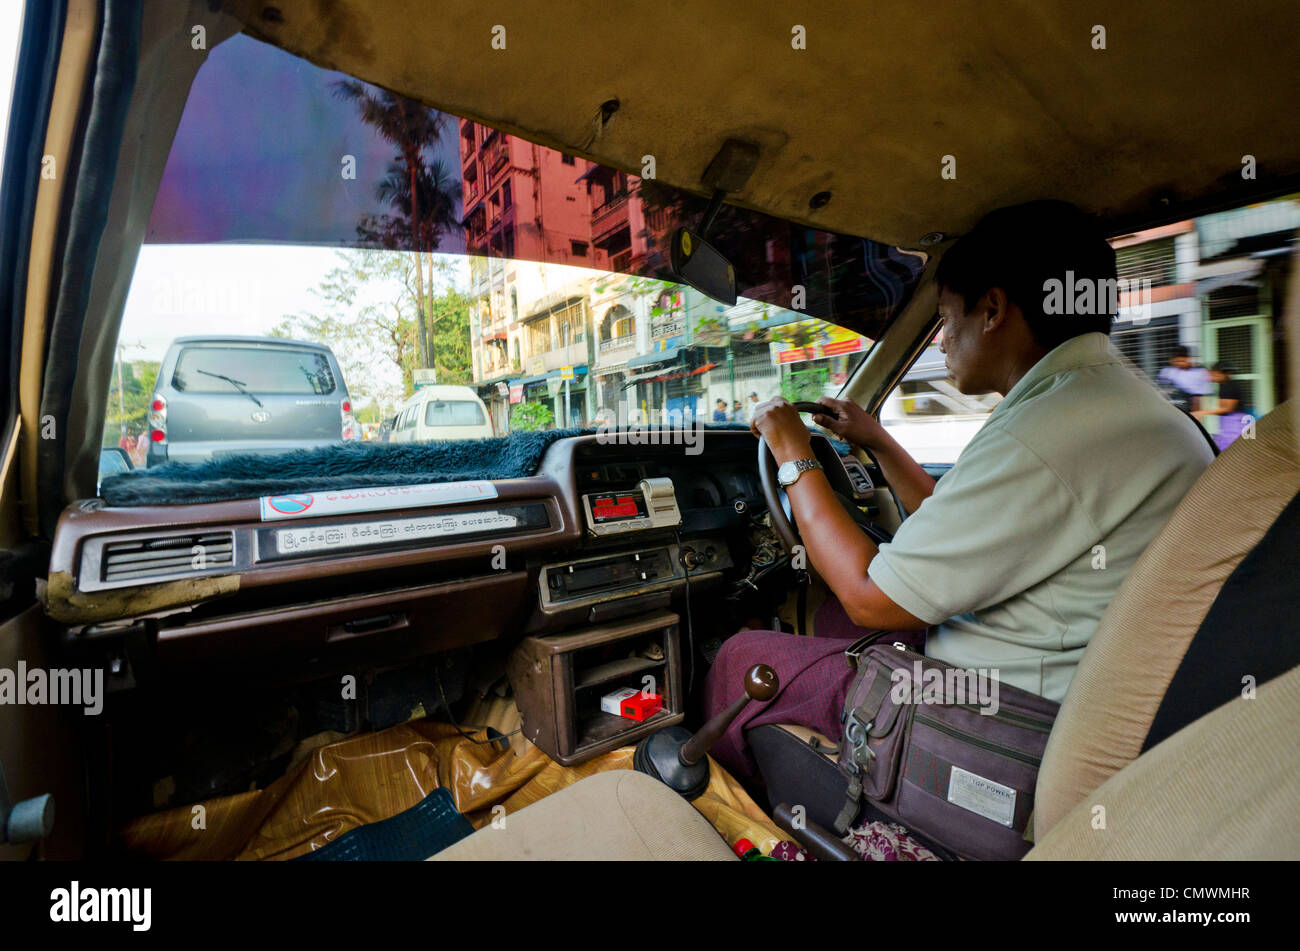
(1077, 468)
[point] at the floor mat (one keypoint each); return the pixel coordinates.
(371, 777)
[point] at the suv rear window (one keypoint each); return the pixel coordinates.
(453, 413)
(200, 370)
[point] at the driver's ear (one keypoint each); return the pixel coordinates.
(996, 304)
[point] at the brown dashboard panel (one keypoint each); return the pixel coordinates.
(388, 626)
(89, 534)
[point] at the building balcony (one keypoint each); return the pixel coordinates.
(571, 356)
(609, 216)
(496, 370)
(617, 349)
(496, 157)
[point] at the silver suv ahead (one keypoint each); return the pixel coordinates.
(220, 396)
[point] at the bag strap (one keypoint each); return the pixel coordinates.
(855, 755)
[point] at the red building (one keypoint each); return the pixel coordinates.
(523, 200)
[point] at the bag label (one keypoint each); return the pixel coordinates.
(982, 796)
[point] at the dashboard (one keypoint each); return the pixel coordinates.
(599, 531)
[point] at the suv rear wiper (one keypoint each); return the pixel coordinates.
(231, 380)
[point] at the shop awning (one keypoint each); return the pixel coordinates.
(1247, 274)
(659, 356)
(578, 370)
(678, 372)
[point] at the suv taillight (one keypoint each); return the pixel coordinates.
(347, 424)
(158, 419)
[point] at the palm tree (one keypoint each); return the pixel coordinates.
(424, 195)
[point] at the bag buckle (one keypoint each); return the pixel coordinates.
(854, 650)
(855, 734)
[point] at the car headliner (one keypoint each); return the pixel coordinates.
(1144, 130)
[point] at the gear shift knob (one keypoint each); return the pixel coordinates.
(675, 757)
(761, 683)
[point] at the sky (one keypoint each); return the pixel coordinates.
(239, 174)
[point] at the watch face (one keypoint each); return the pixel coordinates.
(787, 473)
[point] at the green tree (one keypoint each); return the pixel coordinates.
(527, 417)
(367, 316)
(137, 390)
(422, 192)
(369, 302)
(449, 338)
(806, 385)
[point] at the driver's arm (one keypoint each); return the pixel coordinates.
(840, 551)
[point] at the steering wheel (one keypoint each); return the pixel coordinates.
(778, 503)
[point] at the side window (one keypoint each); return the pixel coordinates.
(928, 416)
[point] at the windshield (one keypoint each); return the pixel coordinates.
(421, 249)
(217, 369)
(449, 413)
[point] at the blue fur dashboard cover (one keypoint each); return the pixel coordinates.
(342, 466)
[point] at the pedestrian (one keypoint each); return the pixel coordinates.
(720, 412)
(1231, 406)
(1182, 382)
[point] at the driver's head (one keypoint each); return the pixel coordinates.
(1026, 279)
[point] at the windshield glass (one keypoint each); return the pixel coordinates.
(299, 204)
(445, 413)
(216, 370)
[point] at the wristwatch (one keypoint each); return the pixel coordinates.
(789, 472)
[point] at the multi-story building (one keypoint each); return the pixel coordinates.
(523, 203)
(602, 340)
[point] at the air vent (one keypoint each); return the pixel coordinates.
(147, 559)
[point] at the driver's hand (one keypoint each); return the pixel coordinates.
(778, 422)
(851, 422)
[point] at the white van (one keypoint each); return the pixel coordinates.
(442, 412)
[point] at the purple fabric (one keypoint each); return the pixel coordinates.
(1230, 426)
(831, 620)
(813, 675)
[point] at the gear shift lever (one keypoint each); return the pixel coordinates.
(678, 759)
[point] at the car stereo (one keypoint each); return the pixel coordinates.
(652, 504)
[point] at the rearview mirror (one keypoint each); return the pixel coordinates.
(702, 266)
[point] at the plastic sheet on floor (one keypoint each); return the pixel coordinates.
(341, 785)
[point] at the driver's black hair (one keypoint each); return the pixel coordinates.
(1022, 247)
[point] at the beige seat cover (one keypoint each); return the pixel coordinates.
(618, 815)
(1145, 632)
(1224, 787)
